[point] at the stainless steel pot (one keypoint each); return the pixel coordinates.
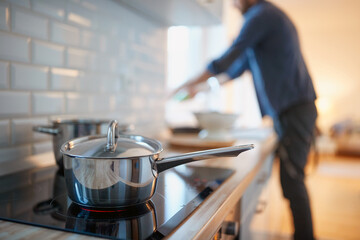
(64, 130)
(122, 170)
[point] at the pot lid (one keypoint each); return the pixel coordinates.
(112, 146)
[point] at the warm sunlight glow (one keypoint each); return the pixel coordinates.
(324, 105)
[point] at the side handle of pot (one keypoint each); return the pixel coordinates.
(47, 129)
(170, 162)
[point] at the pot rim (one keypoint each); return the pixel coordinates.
(139, 138)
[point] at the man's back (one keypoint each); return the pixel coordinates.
(268, 45)
(278, 54)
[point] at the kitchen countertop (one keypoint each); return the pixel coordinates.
(204, 222)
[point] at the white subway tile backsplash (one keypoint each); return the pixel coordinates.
(64, 79)
(112, 68)
(154, 103)
(4, 16)
(22, 130)
(48, 103)
(89, 82)
(14, 153)
(81, 16)
(23, 3)
(128, 84)
(100, 103)
(78, 103)
(64, 34)
(90, 40)
(102, 43)
(119, 102)
(47, 53)
(91, 5)
(42, 147)
(27, 77)
(108, 25)
(107, 64)
(14, 103)
(28, 23)
(4, 133)
(110, 8)
(77, 58)
(13, 47)
(138, 103)
(4, 75)
(52, 8)
(112, 103)
(110, 84)
(112, 45)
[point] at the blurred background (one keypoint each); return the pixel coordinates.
(120, 59)
(329, 32)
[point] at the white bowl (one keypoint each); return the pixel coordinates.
(215, 125)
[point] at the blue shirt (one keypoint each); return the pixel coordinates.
(268, 46)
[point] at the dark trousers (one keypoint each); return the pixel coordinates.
(298, 124)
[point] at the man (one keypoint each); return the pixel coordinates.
(268, 46)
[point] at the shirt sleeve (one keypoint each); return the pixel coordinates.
(254, 29)
(238, 67)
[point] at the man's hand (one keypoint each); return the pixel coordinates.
(190, 88)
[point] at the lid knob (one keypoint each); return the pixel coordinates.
(112, 136)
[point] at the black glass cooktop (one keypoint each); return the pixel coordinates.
(38, 197)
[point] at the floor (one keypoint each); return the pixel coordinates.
(334, 187)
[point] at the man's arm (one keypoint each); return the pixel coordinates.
(252, 32)
(238, 67)
(256, 26)
(235, 70)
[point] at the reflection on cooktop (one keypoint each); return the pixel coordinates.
(38, 197)
(135, 222)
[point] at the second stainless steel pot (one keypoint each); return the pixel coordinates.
(122, 170)
(64, 130)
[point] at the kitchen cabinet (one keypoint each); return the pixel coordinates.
(237, 223)
(251, 203)
(237, 200)
(178, 12)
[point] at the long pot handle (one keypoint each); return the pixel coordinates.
(47, 129)
(170, 162)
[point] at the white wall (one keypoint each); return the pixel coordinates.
(76, 58)
(330, 35)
